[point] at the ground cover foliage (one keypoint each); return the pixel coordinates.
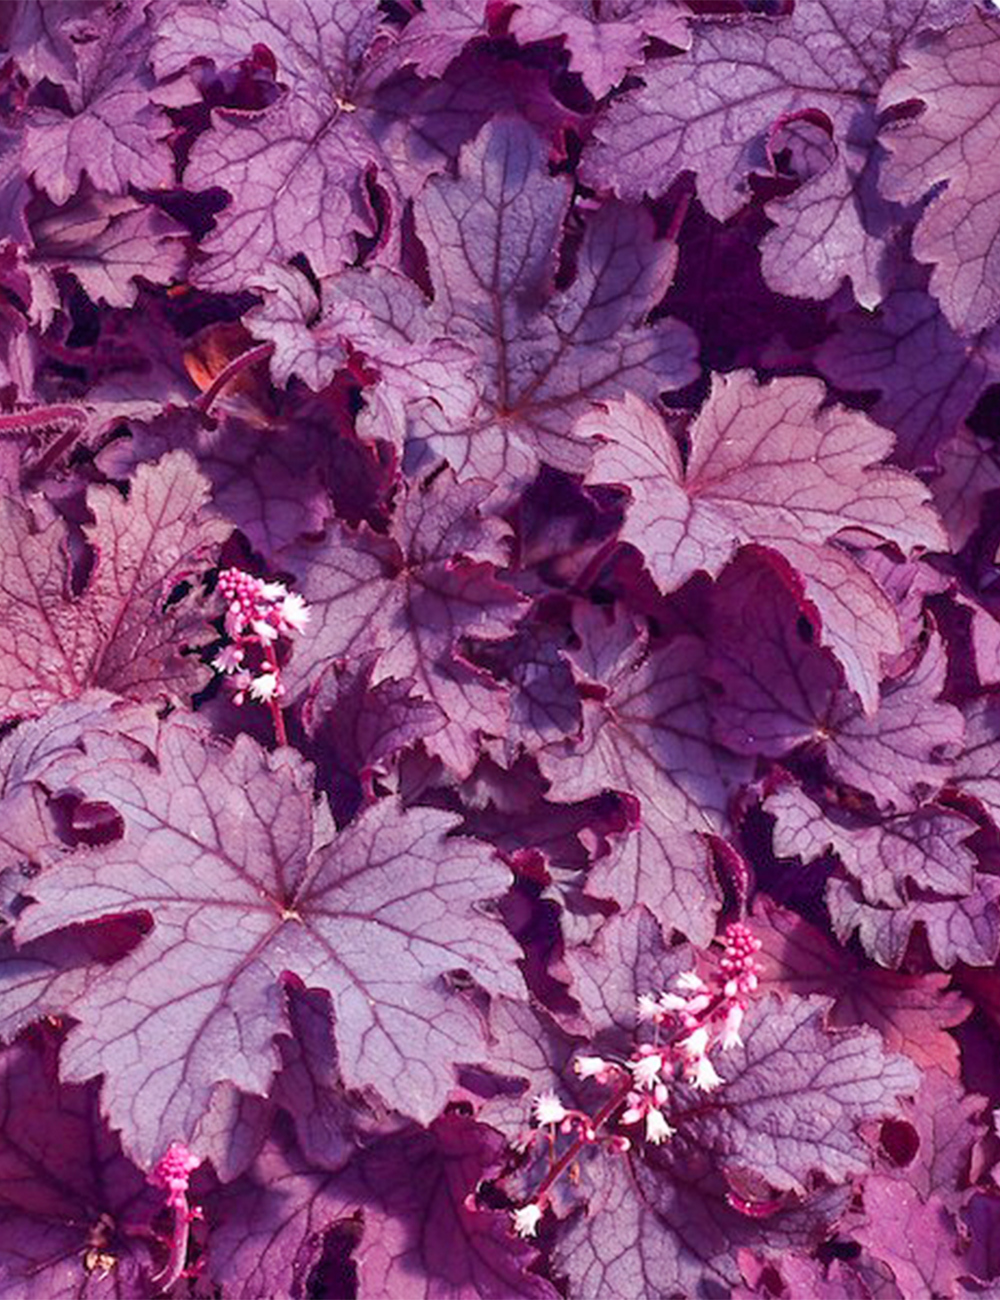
(492, 494)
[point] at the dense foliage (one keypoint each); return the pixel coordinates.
(499, 496)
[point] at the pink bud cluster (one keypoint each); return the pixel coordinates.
(173, 1173)
(257, 613)
(690, 1021)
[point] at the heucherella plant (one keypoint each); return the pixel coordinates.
(490, 492)
(256, 614)
(690, 1021)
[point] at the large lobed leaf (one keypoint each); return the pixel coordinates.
(768, 465)
(216, 850)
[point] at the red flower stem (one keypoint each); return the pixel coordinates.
(601, 1117)
(571, 1152)
(280, 734)
(228, 373)
(179, 1238)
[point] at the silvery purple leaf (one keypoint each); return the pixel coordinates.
(376, 918)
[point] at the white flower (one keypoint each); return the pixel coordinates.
(646, 1070)
(731, 1030)
(696, 1043)
(273, 591)
(589, 1067)
(672, 1002)
(292, 613)
(648, 1006)
(703, 1075)
(264, 687)
(228, 659)
(657, 1128)
(264, 630)
(549, 1109)
(690, 982)
(527, 1219)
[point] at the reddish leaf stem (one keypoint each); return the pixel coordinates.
(228, 373)
(280, 734)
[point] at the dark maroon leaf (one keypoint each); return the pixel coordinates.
(71, 1201)
(911, 1012)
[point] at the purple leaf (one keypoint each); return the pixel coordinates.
(628, 958)
(605, 42)
(424, 1237)
(917, 1239)
(295, 170)
(928, 377)
(963, 929)
(264, 481)
(779, 691)
(947, 1124)
(955, 75)
(267, 1227)
(794, 1094)
(668, 1230)
(650, 738)
(360, 727)
(544, 357)
(310, 1087)
(765, 466)
(117, 634)
(969, 470)
(977, 770)
(67, 1192)
(892, 860)
(111, 128)
(409, 601)
(189, 1013)
(383, 317)
(911, 1012)
(710, 112)
(983, 1218)
(107, 243)
(438, 32)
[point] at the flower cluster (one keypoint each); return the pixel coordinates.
(257, 612)
(173, 1174)
(690, 1021)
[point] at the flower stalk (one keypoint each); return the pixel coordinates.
(694, 1018)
